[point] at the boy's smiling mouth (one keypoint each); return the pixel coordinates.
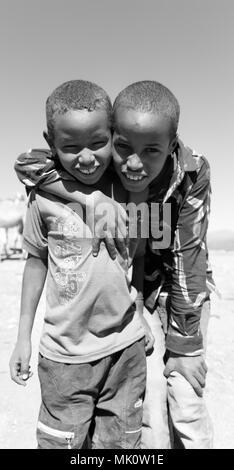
(133, 176)
(87, 170)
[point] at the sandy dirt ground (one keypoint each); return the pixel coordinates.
(19, 406)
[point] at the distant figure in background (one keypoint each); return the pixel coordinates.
(12, 213)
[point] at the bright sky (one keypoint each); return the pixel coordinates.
(185, 44)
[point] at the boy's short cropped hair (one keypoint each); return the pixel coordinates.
(76, 95)
(150, 96)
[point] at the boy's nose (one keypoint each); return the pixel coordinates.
(134, 163)
(86, 157)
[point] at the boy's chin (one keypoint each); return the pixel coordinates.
(134, 186)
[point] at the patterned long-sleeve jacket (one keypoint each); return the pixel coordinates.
(177, 263)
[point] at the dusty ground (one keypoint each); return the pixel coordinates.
(19, 406)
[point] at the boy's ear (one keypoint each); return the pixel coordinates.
(46, 137)
(49, 141)
(173, 143)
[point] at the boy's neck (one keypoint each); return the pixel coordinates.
(160, 184)
(105, 183)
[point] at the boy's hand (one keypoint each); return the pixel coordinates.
(149, 337)
(19, 363)
(108, 222)
(193, 368)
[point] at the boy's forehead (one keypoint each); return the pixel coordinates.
(81, 120)
(131, 120)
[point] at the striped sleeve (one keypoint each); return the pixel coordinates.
(35, 167)
(189, 268)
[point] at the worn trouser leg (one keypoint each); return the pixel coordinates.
(155, 431)
(118, 413)
(188, 412)
(68, 400)
(109, 390)
(189, 415)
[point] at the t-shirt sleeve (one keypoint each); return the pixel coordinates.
(35, 239)
(35, 167)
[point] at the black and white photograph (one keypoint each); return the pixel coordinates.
(117, 228)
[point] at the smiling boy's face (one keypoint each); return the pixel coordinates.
(141, 145)
(82, 142)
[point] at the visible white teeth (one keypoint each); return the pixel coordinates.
(134, 177)
(89, 171)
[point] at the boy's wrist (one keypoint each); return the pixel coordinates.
(192, 354)
(140, 301)
(24, 337)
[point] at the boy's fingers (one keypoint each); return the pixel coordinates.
(14, 369)
(24, 371)
(25, 376)
(167, 370)
(151, 339)
(202, 371)
(110, 246)
(19, 381)
(149, 346)
(121, 247)
(148, 349)
(121, 229)
(204, 366)
(191, 379)
(149, 343)
(196, 386)
(201, 379)
(122, 213)
(96, 245)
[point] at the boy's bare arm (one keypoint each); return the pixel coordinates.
(33, 282)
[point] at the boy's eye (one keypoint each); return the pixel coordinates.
(70, 149)
(98, 145)
(151, 150)
(93, 146)
(123, 146)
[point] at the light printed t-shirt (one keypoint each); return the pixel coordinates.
(90, 309)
